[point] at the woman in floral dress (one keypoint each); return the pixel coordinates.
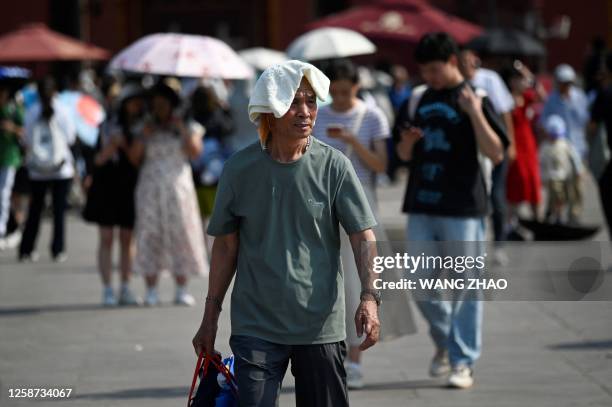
(168, 228)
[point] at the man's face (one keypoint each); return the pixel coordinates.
(298, 122)
(343, 92)
(468, 63)
(438, 74)
(564, 87)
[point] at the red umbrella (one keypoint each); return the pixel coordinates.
(36, 42)
(400, 20)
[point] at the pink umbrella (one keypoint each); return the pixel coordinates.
(182, 55)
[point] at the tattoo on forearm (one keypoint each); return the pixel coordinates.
(365, 252)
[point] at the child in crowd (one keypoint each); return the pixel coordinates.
(559, 164)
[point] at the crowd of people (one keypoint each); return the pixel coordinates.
(147, 181)
(476, 142)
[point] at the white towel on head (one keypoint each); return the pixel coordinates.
(276, 87)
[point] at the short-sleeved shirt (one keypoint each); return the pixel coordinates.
(10, 152)
(289, 283)
(374, 126)
(446, 176)
(496, 89)
(574, 110)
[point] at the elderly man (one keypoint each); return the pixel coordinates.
(276, 220)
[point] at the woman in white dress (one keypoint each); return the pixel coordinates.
(168, 228)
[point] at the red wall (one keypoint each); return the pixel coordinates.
(587, 22)
(16, 13)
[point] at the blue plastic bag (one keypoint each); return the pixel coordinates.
(217, 387)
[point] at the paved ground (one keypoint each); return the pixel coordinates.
(53, 333)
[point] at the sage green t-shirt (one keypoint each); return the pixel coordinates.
(289, 286)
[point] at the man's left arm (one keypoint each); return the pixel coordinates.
(363, 244)
(488, 141)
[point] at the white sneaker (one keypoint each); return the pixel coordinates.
(354, 375)
(461, 377)
(127, 297)
(108, 298)
(184, 298)
(440, 365)
(29, 258)
(12, 241)
(152, 298)
(60, 257)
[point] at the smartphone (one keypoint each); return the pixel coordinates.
(333, 129)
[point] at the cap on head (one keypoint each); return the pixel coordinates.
(555, 126)
(565, 73)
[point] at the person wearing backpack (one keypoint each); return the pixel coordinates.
(49, 135)
(449, 132)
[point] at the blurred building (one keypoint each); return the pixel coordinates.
(113, 24)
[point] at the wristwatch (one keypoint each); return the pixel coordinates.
(372, 294)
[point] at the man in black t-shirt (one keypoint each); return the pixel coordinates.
(451, 137)
(601, 112)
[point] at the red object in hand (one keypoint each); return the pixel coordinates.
(334, 130)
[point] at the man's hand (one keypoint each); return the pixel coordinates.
(366, 321)
(409, 137)
(469, 102)
(204, 339)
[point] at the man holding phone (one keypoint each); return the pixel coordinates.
(444, 137)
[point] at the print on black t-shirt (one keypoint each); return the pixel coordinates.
(446, 178)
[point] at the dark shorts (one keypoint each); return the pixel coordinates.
(260, 366)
